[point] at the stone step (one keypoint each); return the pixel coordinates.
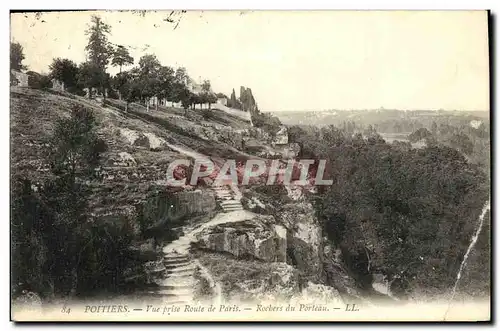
(181, 269)
(172, 292)
(230, 203)
(235, 207)
(177, 281)
(180, 273)
(224, 197)
(173, 266)
(169, 261)
(180, 288)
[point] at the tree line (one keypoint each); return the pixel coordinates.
(405, 212)
(148, 79)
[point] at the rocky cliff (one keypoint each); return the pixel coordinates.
(260, 238)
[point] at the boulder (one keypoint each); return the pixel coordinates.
(259, 238)
(155, 143)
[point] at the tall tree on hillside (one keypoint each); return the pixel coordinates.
(148, 76)
(127, 85)
(64, 70)
(207, 95)
(17, 57)
(165, 84)
(121, 57)
(91, 76)
(232, 100)
(99, 49)
(181, 76)
(74, 155)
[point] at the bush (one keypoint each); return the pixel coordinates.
(38, 81)
(56, 247)
(267, 122)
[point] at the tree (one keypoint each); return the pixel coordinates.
(121, 57)
(148, 73)
(419, 134)
(407, 213)
(91, 76)
(232, 101)
(38, 81)
(126, 85)
(207, 96)
(73, 155)
(434, 128)
(165, 82)
(99, 49)
(462, 142)
(16, 57)
(65, 71)
(181, 76)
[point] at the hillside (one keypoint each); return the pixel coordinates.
(138, 152)
(140, 145)
(247, 243)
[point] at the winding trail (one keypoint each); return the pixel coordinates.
(176, 282)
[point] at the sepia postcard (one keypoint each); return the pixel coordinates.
(250, 166)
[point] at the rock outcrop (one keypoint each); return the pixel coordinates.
(174, 206)
(259, 238)
(304, 239)
(251, 281)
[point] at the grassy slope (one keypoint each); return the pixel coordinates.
(34, 112)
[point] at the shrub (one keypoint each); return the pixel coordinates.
(38, 81)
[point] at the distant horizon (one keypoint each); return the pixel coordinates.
(374, 109)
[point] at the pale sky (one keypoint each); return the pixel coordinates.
(296, 60)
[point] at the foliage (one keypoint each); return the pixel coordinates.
(121, 57)
(408, 213)
(233, 102)
(16, 57)
(90, 75)
(99, 52)
(267, 122)
(38, 81)
(99, 49)
(65, 71)
(57, 248)
(207, 96)
(419, 134)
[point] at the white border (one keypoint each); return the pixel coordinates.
(198, 4)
